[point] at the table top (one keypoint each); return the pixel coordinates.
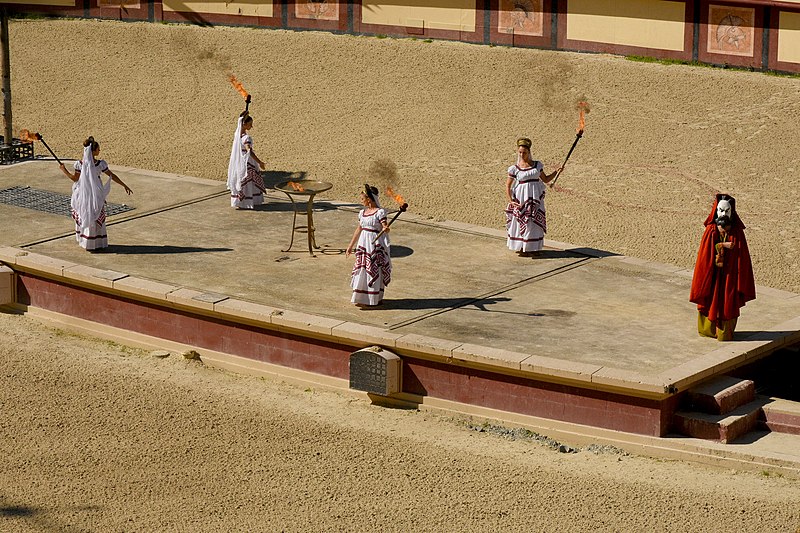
(303, 187)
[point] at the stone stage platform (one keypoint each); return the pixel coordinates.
(575, 335)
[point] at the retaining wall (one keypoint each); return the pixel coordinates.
(756, 34)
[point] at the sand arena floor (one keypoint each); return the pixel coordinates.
(100, 437)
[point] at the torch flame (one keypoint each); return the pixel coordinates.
(397, 198)
(27, 136)
(296, 186)
(584, 108)
(238, 86)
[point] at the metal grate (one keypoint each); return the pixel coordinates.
(48, 202)
(16, 151)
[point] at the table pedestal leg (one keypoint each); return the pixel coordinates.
(294, 219)
(312, 241)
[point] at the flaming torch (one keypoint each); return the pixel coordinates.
(583, 107)
(27, 136)
(403, 207)
(239, 87)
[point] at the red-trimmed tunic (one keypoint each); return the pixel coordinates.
(372, 271)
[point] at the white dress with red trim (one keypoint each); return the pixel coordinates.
(526, 224)
(373, 268)
(250, 192)
(91, 236)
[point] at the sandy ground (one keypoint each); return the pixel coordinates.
(438, 119)
(100, 437)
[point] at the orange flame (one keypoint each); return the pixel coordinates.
(236, 85)
(27, 136)
(296, 186)
(584, 108)
(397, 198)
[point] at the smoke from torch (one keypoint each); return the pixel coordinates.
(583, 108)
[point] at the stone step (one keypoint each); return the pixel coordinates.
(781, 416)
(721, 395)
(724, 428)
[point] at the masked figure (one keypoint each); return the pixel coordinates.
(723, 274)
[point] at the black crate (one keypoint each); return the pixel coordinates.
(18, 151)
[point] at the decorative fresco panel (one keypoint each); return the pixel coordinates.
(324, 10)
(520, 17)
(730, 30)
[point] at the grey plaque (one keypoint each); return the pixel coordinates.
(375, 370)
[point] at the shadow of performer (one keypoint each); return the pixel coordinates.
(150, 249)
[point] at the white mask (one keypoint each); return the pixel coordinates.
(724, 212)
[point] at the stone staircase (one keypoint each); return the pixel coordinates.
(727, 407)
(723, 409)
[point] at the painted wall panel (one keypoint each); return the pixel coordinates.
(253, 8)
(317, 10)
(520, 17)
(458, 15)
(644, 23)
(731, 30)
(789, 37)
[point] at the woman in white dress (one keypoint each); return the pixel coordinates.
(244, 178)
(89, 193)
(526, 218)
(373, 268)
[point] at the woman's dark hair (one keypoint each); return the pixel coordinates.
(371, 192)
(91, 142)
(246, 116)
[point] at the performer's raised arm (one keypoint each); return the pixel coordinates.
(73, 176)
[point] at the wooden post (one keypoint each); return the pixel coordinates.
(7, 121)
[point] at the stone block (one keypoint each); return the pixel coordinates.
(723, 428)
(6, 285)
(721, 395)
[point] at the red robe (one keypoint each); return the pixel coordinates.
(720, 292)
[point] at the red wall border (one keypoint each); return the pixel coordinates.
(420, 377)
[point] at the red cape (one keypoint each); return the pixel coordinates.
(720, 292)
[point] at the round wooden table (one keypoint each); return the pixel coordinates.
(307, 189)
